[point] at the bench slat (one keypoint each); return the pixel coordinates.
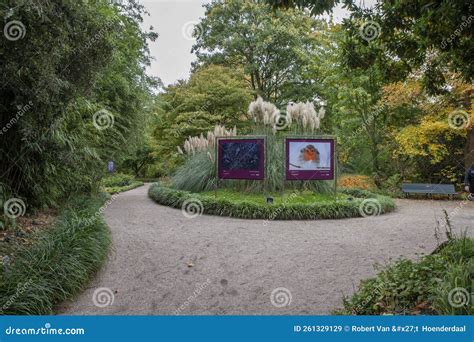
(422, 188)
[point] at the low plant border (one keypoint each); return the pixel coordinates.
(117, 189)
(210, 205)
(437, 284)
(59, 264)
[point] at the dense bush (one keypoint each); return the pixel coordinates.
(78, 99)
(410, 287)
(59, 264)
(356, 181)
(117, 179)
(117, 189)
(250, 210)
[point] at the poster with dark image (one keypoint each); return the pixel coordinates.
(241, 159)
(309, 159)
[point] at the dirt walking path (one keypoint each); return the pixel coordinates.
(164, 263)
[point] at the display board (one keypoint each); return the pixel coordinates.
(309, 158)
(241, 158)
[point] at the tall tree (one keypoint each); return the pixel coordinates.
(273, 47)
(213, 95)
(433, 36)
(73, 76)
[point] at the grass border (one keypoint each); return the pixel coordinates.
(59, 264)
(248, 210)
(118, 189)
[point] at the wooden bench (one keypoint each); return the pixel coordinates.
(429, 189)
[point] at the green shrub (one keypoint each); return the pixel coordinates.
(409, 287)
(116, 180)
(117, 189)
(59, 264)
(251, 210)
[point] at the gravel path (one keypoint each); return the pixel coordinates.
(164, 263)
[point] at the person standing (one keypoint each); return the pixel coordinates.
(469, 182)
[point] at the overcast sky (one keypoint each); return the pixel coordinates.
(173, 21)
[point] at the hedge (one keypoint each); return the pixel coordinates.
(60, 262)
(291, 211)
(118, 189)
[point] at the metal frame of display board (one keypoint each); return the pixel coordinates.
(328, 137)
(246, 137)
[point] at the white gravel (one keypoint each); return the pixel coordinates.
(164, 263)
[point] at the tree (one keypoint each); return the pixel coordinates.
(433, 36)
(315, 6)
(431, 144)
(420, 32)
(213, 95)
(273, 47)
(140, 159)
(75, 83)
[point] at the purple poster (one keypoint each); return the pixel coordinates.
(241, 159)
(309, 159)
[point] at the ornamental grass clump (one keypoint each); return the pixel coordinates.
(199, 170)
(299, 117)
(193, 145)
(264, 112)
(305, 115)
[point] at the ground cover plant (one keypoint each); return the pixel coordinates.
(59, 261)
(119, 182)
(288, 206)
(440, 283)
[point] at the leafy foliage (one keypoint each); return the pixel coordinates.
(356, 181)
(213, 95)
(251, 210)
(431, 147)
(409, 287)
(117, 179)
(90, 60)
(59, 264)
(273, 47)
